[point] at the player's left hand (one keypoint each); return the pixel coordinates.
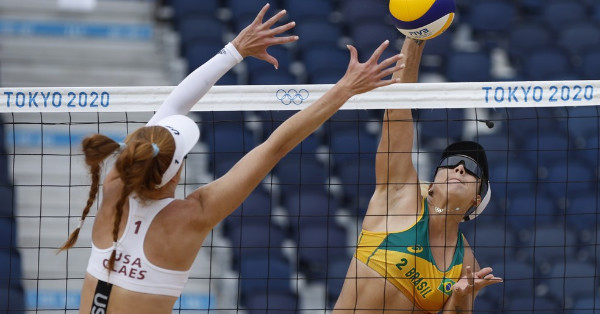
(472, 282)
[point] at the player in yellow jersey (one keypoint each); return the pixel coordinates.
(411, 255)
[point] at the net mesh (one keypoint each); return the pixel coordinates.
(289, 245)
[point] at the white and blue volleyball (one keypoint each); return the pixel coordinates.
(422, 19)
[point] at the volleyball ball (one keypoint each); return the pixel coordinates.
(422, 19)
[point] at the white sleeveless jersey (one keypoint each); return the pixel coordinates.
(132, 270)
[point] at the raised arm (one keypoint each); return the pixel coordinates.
(393, 165)
(219, 198)
(251, 41)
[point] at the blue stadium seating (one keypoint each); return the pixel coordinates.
(202, 30)
(568, 180)
(336, 274)
(545, 148)
(263, 273)
(524, 212)
(8, 232)
(357, 177)
(590, 63)
(436, 123)
(491, 18)
(499, 147)
(368, 36)
(307, 207)
(582, 212)
(185, 8)
(548, 64)
(6, 194)
(355, 12)
(559, 13)
(468, 67)
(259, 67)
(343, 120)
(280, 77)
(575, 38)
(271, 302)
(294, 173)
(272, 119)
(348, 145)
(519, 280)
(318, 244)
(549, 243)
(325, 60)
(198, 53)
(525, 37)
(534, 305)
(572, 280)
(588, 305)
(303, 11)
(490, 242)
(317, 32)
(512, 178)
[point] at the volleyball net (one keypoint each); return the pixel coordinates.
(289, 245)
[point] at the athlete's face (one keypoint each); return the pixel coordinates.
(456, 182)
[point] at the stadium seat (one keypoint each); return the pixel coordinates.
(575, 38)
(270, 120)
(324, 60)
(581, 212)
(511, 179)
(274, 78)
(8, 232)
(527, 121)
(307, 207)
(590, 63)
(344, 120)
(283, 56)
(589, 305)
(257, 205)
(11, 272)
(568, 180)
(318, 244)
(583, 122)
(336, 274)
(300, 171)
(499, 147)
(491, 19)
(544, 305)
(526, 37)
(524, 212)
(253, 238)
(468, 67)
(545, 148)
(355, 12)
(202, 30)
(357, 177)
(432, 124)
(571, 280)
(490, 242)
(547, 64)
(197, 54)
(185, 8)
(12, 300)
(307, 10)
(559, 13)
(368, 36)
(549, 243)
(7, 195)
(436, 52)
(519, 280)
(263, 273)
(271, 302)
(317, 32)
(351, 145)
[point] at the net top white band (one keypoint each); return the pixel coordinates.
(297, 97)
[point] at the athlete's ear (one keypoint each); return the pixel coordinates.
(477, 200)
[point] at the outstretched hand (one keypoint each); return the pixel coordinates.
(473, 282)
(258, 36)
(363, 77)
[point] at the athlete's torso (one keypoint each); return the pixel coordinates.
(133, 271)
(405, 259)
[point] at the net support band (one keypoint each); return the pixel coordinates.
(297, 97)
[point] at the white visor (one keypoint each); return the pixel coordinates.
(483, 204)
(185, 132)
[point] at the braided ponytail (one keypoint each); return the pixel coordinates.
(96, 149)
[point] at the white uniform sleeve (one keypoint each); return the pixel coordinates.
(196, 85)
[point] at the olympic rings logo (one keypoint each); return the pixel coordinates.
(292, 96)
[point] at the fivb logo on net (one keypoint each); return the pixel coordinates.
(292, 96)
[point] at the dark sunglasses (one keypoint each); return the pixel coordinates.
(469, 164)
